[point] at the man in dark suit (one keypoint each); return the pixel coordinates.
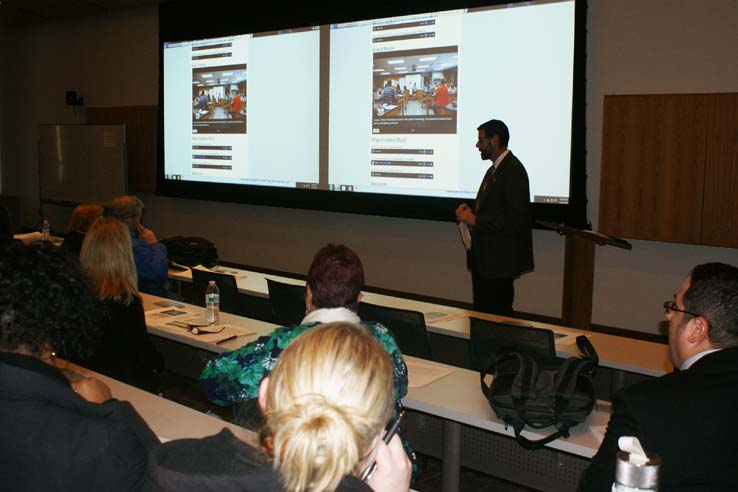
(500, 224)
(686, 417)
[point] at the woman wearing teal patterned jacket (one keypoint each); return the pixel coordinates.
(334, 284)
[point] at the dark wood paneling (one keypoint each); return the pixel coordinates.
(652, 179)
(576, 306)
(720, 211)
(141, 135)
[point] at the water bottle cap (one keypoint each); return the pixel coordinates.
(643, 476)
(212, 282)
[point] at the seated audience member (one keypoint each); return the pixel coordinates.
(149, 254)
(686, 417)
(81, 220)
(326, 404)
(334, 284)
(125, 351)
(56, 435)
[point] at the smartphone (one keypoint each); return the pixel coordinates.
(387, 438)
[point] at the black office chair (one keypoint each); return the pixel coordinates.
(226, 284)
(490, 337)
(288, 302)
(408, 328)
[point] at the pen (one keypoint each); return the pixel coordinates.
(387, 438)
(226, 339)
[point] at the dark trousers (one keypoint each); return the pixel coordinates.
(493, 295)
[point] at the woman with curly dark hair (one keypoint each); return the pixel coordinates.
(57, 435)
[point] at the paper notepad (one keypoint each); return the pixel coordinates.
(421, 373)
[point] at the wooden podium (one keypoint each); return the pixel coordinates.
(576, 305)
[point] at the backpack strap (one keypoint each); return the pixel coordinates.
(525, 378)
(562, 431)
(588, 351)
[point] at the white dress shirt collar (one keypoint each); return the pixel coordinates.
(691, 360)
(496, 164)
(329, 315)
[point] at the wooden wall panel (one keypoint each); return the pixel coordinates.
(720, 211)
(141, 135)
(652, 175)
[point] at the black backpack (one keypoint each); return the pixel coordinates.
(191, 251)
(523, 394)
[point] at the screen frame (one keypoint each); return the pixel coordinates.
(177, 23)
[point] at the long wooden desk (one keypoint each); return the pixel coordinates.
(456, 398)
(620, 353)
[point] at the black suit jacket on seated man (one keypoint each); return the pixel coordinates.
(687, 417)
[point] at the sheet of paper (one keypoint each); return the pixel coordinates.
(439, 315)
(465, 234)
(220, 269)
(166, 314)
(169, 304)
(224, 331)
(229, 331)
(421, 373)
(598, 431)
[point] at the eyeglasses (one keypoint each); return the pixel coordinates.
(671, 306)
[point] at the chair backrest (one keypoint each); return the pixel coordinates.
(226, 284)
(489, 337)
(408, 327)
(288, 302)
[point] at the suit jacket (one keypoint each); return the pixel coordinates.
(53, 439)
(502, 241)
(687, 418)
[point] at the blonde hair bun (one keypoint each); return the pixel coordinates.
(328, 398)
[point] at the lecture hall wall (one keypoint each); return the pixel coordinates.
(634, 47)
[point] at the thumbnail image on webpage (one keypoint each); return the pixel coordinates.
(219, 99)
(415, 91)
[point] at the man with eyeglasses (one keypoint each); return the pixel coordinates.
(500, 223)
(686, 417)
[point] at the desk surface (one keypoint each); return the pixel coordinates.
(626, 354)
(168, 420)
(456, 396)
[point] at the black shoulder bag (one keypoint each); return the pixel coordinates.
(523, 394)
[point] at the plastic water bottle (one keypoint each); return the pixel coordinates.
(635, 469)
(212, 303)
(45, 230)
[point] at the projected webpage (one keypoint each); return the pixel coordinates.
(232, 106)
(404, 98)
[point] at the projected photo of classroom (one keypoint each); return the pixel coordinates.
(415, 91)
(219, 99)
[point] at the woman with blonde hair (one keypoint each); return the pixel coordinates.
(325, 405)
(125, 351)
(82, 218)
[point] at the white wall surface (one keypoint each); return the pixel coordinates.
(634, 46)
